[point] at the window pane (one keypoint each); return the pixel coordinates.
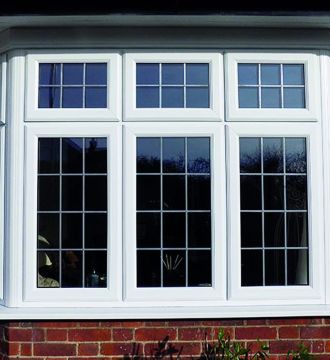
(270, 97)
(73, 74)
(199, 192)
(72, 231)
(172, 97)
(296, 192)
(173, 155)
(274, 229)
(147, 74)
(274, 192)
(147, 97)
(72, 193)
(72, 97)
(174, 233)
(172, 74)
(251, 268)
(248, 97)
(49, 156)
(273, 155)
(96, 74)
(49, 74)
(248, 74)
(48, 230)
(197, 97)
(148, 268)
(72, 275)
(297, 229)
(270, 74)
(199, 268)
(72, 155)
(197, 74)
(148, 230)
(251, 230)
(96, 193)
(250, 192)
(96, 231)
(174, 268)
(148, 192)
(198, 155)
(48, 193)
(274, 267)
(174, 192)
(293, 74)
(148, 155)
(294, 98)
(49, 97)
(96, 97)
(250, 155)
(96, 268)
(199, 230)
(295, 155)
(297, 267)
(96, 155)
(48, 269)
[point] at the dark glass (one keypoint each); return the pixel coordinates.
(199, 230)
(148, 155)
(297, 267)
(294, 98)
(96, 97)
(73, 74)
(248, 74)
(148, 192)
(48, 193)
(147, 74)
(293, 74)
(71, 193)
(96, 193)
(49, 156)
(274, 229)
(250, 155)
(297, 229)
(174, 192)
(72, 151)
(72, 269)
(198, 155)
(273, 155)
(172, 74)
(172, 97)
(248, 97)
(251, 230)
(250, 192)
(48, 229)
(96, 155)
(148, 268)
(199, 192)
(197, 97)
(199, 268)
(270, 74)
(197, 74)
(72, 231)
(96, 269)
(296, 192)
(48, 269)
(174, 230)
(49, 97)
(148, 230)
(147, 97)
(274, 192)
(173, 155)
(49, 74)
(295, 155)
(251, 268)
(274, 267)
(271, 97)
(96, 74)
(72, 97)
(96, 231)
(174, 268)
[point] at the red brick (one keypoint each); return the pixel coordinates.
(54, 349)
(88, 324)
(156, 323)
(57, 335)
(222, 323)
(254, 346)
(88, 349)
(315, 332)
(38, 335)
(55, 324)
(26, 349)
(282, 347)
(252, 333)
(288, 332)
(20, 335)
(193, 334)
(188, 348)
(250, 322)
(13, 349)
(294, 321)
(318, 346)
(154, 334)
(327, 346)
(89, 334)
(133, 324)
(122, 334)
(178, 323)
(116, 349)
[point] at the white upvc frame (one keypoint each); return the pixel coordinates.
(3, 84)
(2, 207)
(218, 206)
(33, 296)
(310, 60)
(214, 113)
(275, 295)
(114, 87)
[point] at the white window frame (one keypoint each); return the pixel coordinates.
(3, 73)
(310, 60)
(114, 88)
(314, 293)
(218, 206)
(214, 113)
(89, 297)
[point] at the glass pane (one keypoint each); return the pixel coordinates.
(250, 192)
(48, 193)
(197, 97)
(147, 97)
(49, 156)
(274, 267)
(270, 97)
(148, 230)
(96, 268)
(198, 155)
(251, 268)
(248, 74)
(294, 98)
(199, 192)
(174, 192)
(48, 231)
(273, 155)
(197, 74)
(73, 74)
(72, 231)
(96, 74)
(147, 74)
(293, 74)
(172, 97)
(72, 151)
(96, 231)
(273, 192)
(297, 267)
(71, 193)
(172, 74)
(96, 155)
(174, 268)
(72, 97)
(248, 97)
(49, 74)
(199, 230)
(72, 269)
(48, 269)
(270, 74)
(96, 97)
(174, 230)
(295, 155)
(297, 229)
(274, 229)
(148, 192)
(199, 268)
(148, 155)
(250, 155)
(296, 192)
(96, 193)
(251, 230)
(148, 268)
(173, 155)
(49, 97)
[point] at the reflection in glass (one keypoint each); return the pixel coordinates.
(95, 155)
(198, 155)
(297, 267)
(197, 74)
(72, 97)
(72, 149)
(274, 267)
(49, 74)
(174, 230)
(96, 236)
(297, 229)
(48, 193)
(71, 192)
(294, 98)
(96, 97)
(72, 269)
(251, 229)
(199, 192)
(296, 192)
(49, 97)
(96, 193)
(250, 192)
(274, 192)
(73, 74)
(148, 192)
(148, 155)
(270, 74)
(147, 230)
(199, 230)
(172, 74)
(248, 97)
(270, 97)
(293, 74)
(147, 74)
(295, 155)
(49, 156)
(174, 192)
(147, 97)
(148, 268)
(96, 74)
(172, 97)
(199, 268)
(251, 267)
(248, 74)
(274, 229)
(72, 231)
(250, 155)
(273, 155)
(197, 97)
(174, 268)
(173, 155)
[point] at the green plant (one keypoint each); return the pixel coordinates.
(301, 354)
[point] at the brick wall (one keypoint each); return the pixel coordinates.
(110, 340)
